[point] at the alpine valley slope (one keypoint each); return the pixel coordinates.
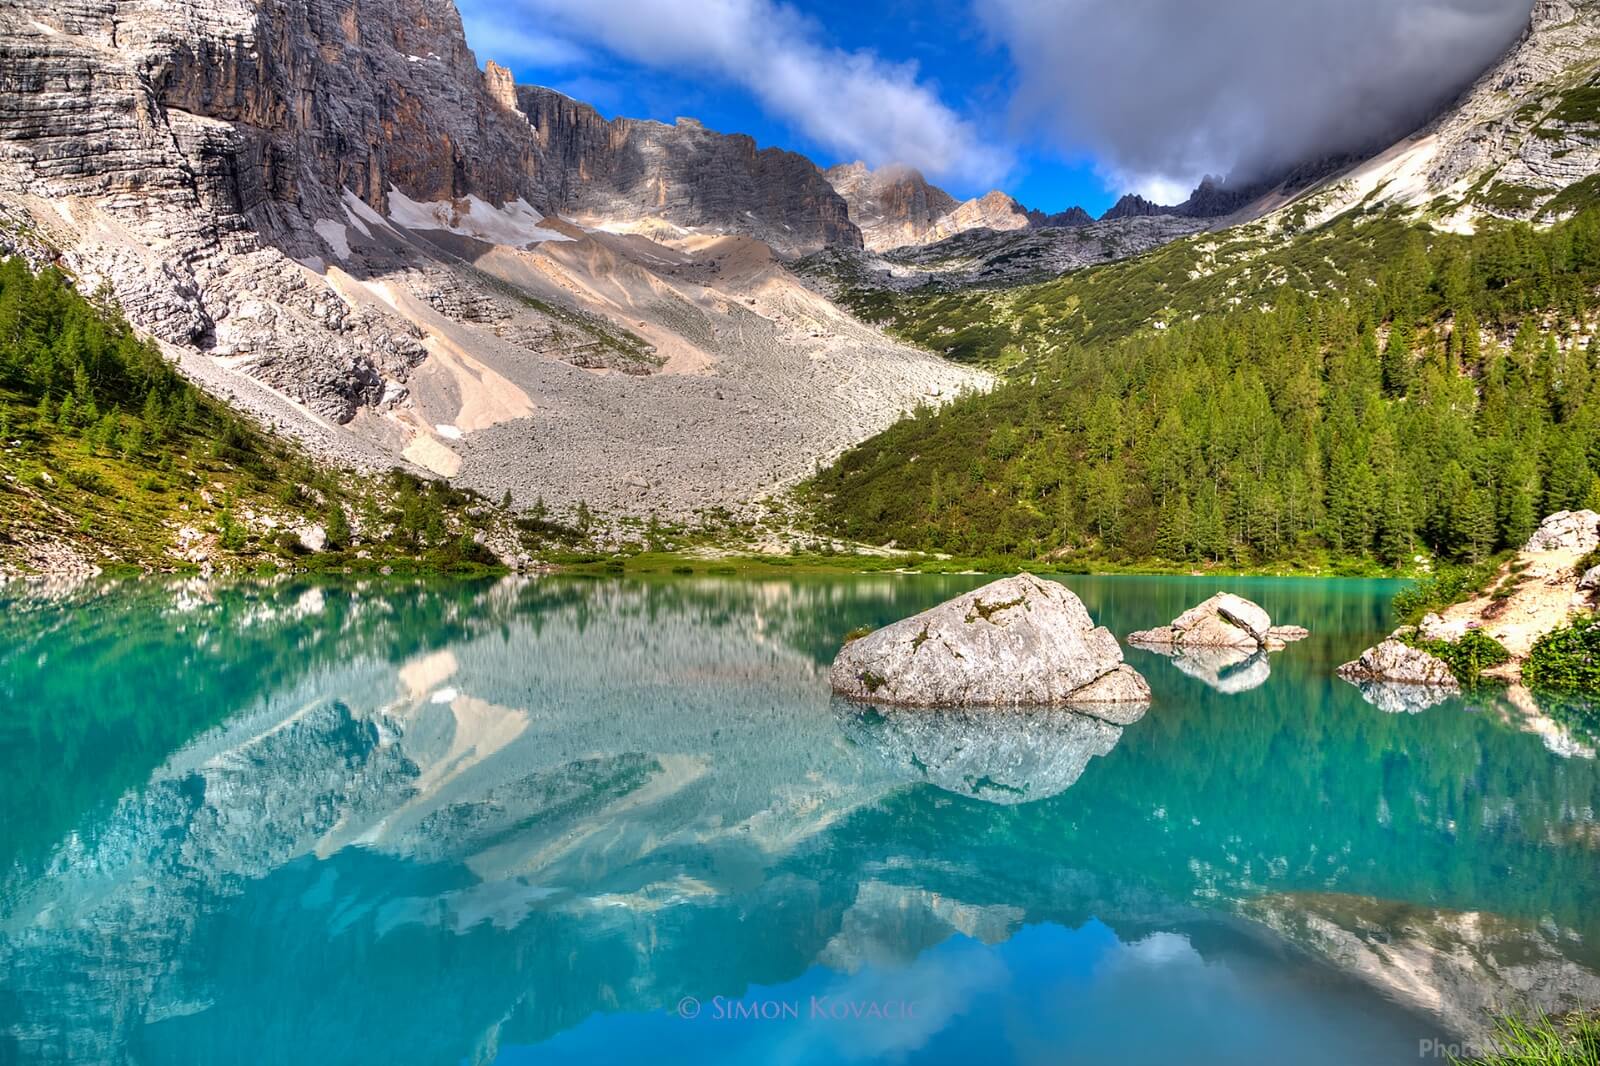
(329, 215)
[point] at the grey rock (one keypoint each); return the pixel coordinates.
(312, 538)
(1590, 579)
(1566, 531)
(1021, 641)
(1392, 661)
(1223, 621)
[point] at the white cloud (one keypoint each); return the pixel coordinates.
(853, 103)
(491, 34)
(1163, 92)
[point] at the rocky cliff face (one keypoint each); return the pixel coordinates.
(896, 207)
(628, 170)
(1530, 127)
(892, 206)
(335, 220)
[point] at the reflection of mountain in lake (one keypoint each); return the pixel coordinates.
(1463, 966)
(998, 755)
(432, 820)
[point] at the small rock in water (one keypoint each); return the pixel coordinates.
(1393, 661)
(1016, 642)
(1223, 621)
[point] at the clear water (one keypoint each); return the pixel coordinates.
(612, 821)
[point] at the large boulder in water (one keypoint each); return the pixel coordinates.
(1017, 642)
(1566, 531)
(1223, 621)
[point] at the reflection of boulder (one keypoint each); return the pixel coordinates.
(1463, 967)
(997, 755)
(1228, 670)
(1400, 697)
(1019, 641)
(1396, 677)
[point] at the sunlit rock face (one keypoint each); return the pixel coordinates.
(1020, 641)
(629, 170)
(998, 755)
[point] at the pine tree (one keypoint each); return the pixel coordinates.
(1173, 537)
(337, 527)
(1476, 524)
(1398, 356)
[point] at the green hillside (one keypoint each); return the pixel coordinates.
(1367, 391)
(107, 454)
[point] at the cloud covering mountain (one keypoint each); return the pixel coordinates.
(1162, 92)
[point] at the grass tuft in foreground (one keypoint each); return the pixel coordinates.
(1542, 1041)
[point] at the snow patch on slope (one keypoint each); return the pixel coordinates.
(516, 224)
(333, 234)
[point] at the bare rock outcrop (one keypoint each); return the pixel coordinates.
(1566, 531)
(1021, 641)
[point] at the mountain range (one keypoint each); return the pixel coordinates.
(329, 214)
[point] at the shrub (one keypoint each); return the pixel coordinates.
(1566, 659)
(1468, 657)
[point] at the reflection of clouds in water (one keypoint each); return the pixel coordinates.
(938, 987)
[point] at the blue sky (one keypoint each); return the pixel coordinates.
(1058, 102)
(954, 57)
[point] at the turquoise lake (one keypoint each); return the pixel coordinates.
(569, 820)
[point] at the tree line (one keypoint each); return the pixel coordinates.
(1441, 403)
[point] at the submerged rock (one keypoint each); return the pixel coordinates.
(1016, 642)
(1566, 531)
(998, 755)
(1223, 621)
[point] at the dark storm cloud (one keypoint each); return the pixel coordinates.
(1165, 91)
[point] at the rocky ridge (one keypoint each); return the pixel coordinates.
(656, 177)
(896, 207)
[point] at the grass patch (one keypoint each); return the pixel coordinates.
(1449, 585)
(1542, 1041)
